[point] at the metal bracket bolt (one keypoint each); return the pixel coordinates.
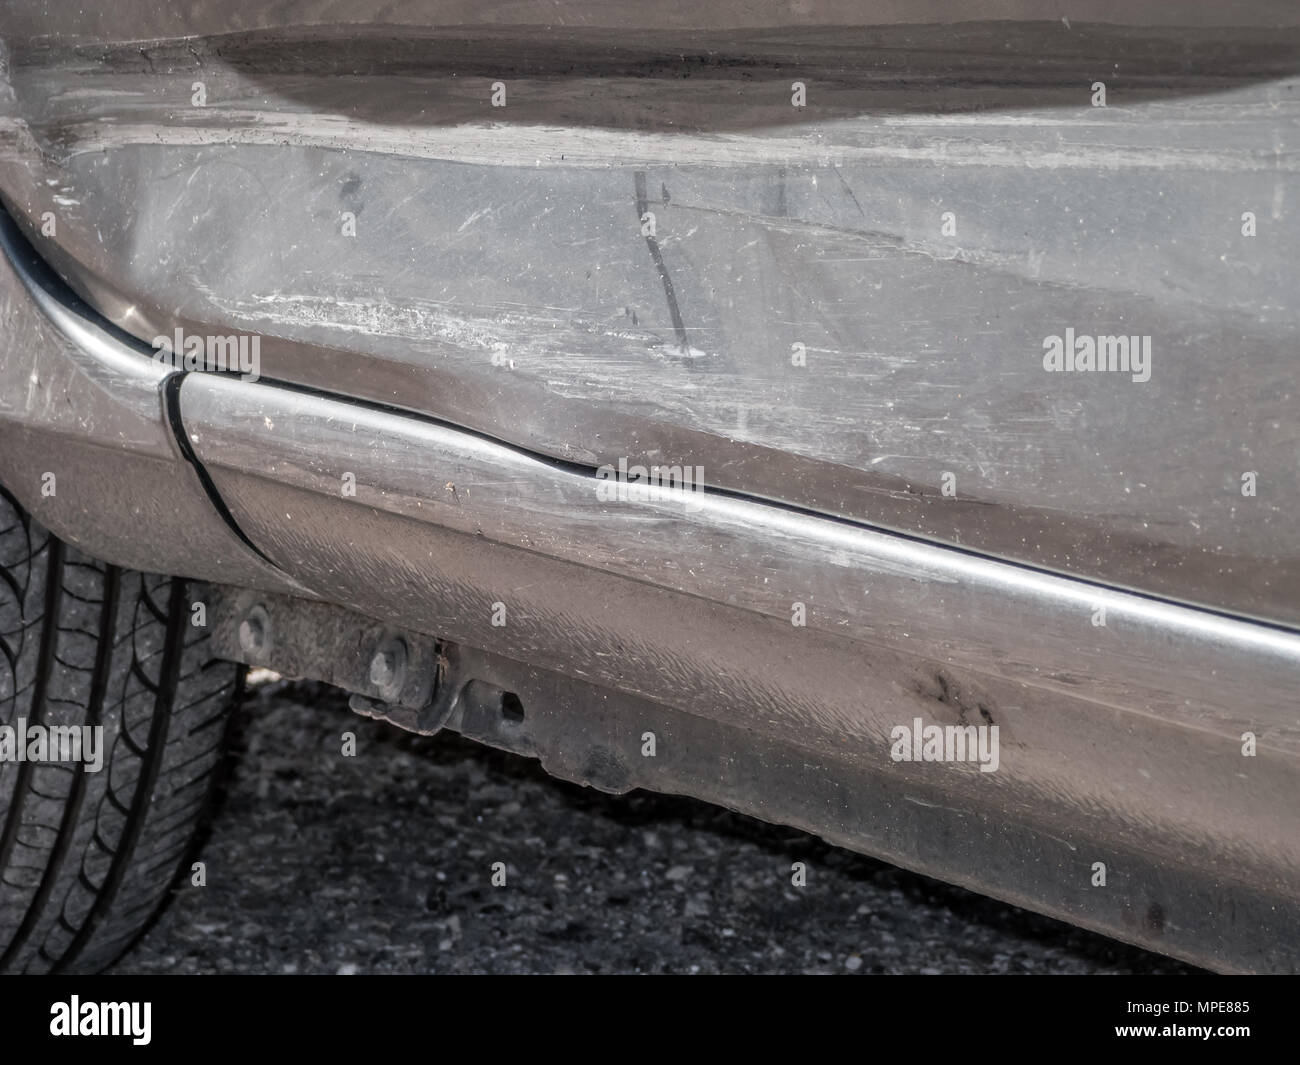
(253, 630)
(388, 669)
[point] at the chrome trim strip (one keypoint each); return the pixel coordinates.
(1176, 663)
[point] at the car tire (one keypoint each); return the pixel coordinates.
(89, 853)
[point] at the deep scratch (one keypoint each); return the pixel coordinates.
(642, 206)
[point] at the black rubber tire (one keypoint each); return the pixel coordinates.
(87, 858)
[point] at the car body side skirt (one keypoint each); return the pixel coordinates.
(1148, 777)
